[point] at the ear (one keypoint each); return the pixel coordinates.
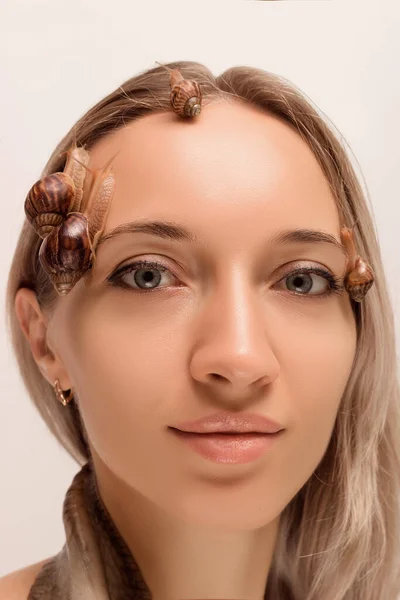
(34, 324)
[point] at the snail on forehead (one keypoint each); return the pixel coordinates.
(185, 94)
(70, 237)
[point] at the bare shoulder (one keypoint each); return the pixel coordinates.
(16, 585)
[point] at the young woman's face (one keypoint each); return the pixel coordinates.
(226, 325)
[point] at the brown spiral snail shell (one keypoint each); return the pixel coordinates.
(359, 275)
(51, 198)
(70, 237)
(66, 253)
(49, 201)
(185, 95)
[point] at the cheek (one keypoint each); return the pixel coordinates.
(319, 364)
(318, 367)
(123, 372)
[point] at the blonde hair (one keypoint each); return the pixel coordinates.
(339, 537)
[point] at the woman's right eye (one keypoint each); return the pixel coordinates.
(146, 271)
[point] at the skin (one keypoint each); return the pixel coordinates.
(140, 362)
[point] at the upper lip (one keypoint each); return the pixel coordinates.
(229, 422)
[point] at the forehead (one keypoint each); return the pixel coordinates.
(234, 164)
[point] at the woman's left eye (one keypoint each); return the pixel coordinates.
(145, 273)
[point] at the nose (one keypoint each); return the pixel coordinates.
(233, 354)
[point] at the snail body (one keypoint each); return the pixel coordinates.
(76, 168)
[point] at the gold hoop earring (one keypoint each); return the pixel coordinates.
(60, 394)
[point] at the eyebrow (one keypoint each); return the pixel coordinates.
(178, 233)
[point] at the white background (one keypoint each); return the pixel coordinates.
(61, 57)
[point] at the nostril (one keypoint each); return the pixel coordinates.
(216, 376)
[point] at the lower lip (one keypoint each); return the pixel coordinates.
(237, 449)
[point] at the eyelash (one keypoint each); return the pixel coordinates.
(335, 283)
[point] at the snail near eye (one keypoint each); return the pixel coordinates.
(66, 253)
(359, 275)
(359, 280)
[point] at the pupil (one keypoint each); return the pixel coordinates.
(147, 277)
(301, 281)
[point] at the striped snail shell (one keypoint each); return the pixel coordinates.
(359, 280)
(359, 276)
(70, 237)
(186, 95)
(66, 253)
(49, 201)
(51, 198)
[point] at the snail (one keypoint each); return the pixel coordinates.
(186, 95)
(70, 237)
(359, 274)
(51, 198)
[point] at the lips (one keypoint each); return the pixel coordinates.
(225, 448)
(233, 423)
